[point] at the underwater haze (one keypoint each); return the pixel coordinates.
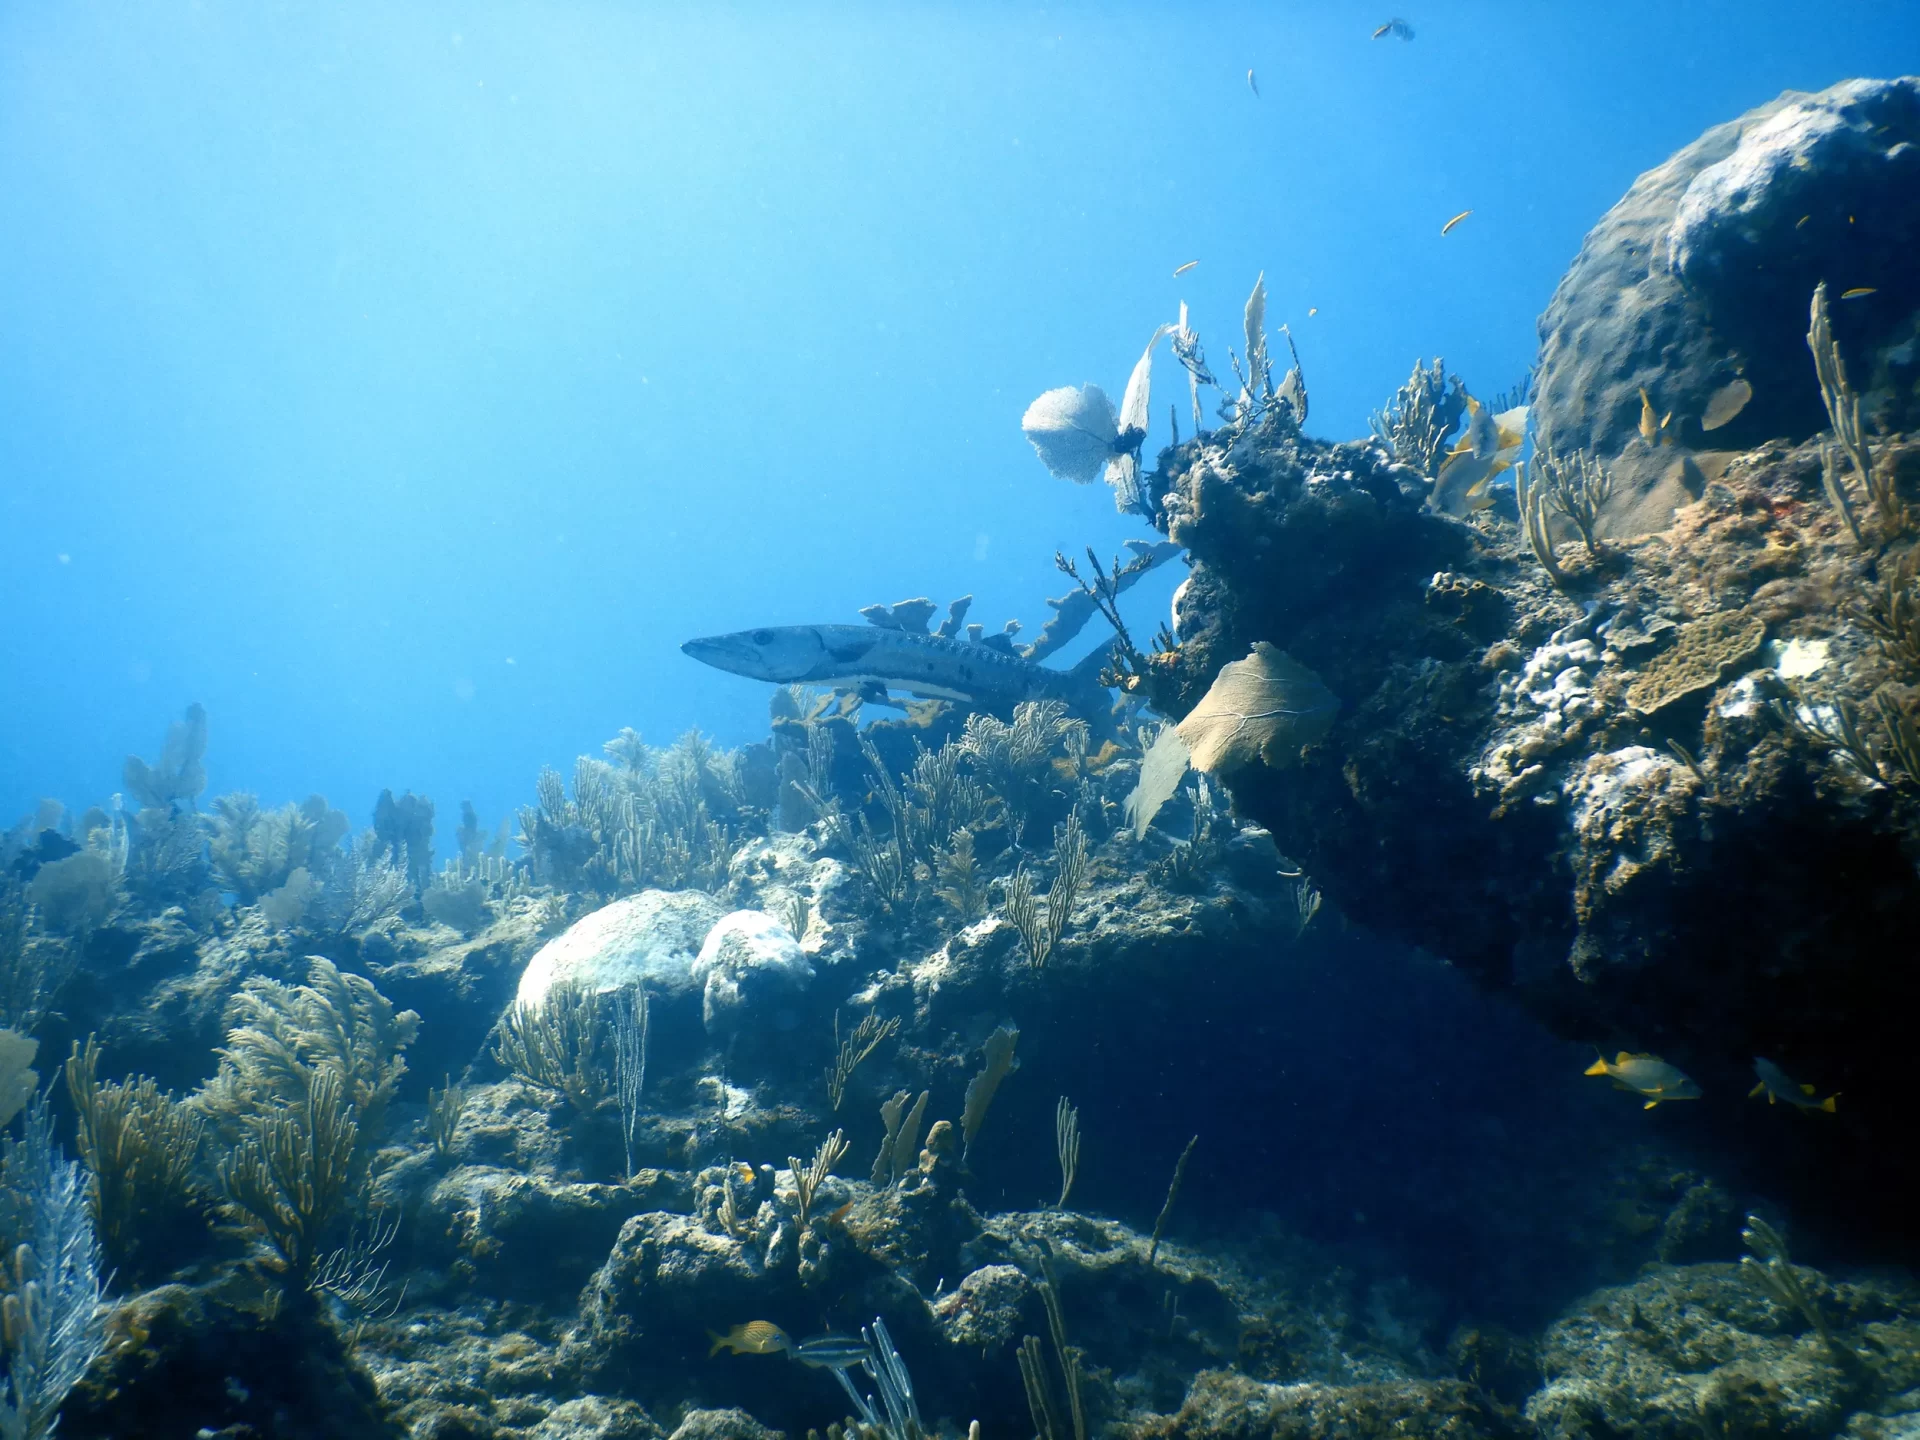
(405, 383)
(959, 722)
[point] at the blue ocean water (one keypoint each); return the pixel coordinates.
(404, 383)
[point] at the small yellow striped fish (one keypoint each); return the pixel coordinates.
(756, 1337)
(1858, 291)
(1454, 221)
(1183, 269)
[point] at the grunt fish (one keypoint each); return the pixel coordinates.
(1859, 291)
(755, 1337)
(1253, 85)
(1396, 27)
(1183, 269)
(832, 1352)
(1779, 1086)
(1454, 221)
(1646, 1075)
(870, 660)
(1312, 310)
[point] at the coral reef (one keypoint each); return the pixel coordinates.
(1696, 281)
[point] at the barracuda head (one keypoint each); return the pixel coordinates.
(784, 654)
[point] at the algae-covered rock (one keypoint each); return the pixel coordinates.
(749, 962)
(648, 939)
(1702, 1350)
(1226, 1406)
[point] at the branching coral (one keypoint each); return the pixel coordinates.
(142, 1148)
(868, 1036)
(180, 774)
(1843, 409)
(295, 1175)
(33, 967)
(651, 823)
(563, 1043)
(1015, 759)
(52, 1323)
(1038, 934)
(283, 1039)
(1578, 486)
(1417, 423)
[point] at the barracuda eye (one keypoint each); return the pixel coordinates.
(763, 637)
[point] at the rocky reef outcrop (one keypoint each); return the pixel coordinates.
(1697, 280)
(1664, 787)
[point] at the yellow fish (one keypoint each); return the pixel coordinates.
(1394, 27)
(1312, 310)
(1489, 447)
(1858, 291)
(1646, 1075)
(1777, 1086)
(1183, 269)
(756, 1337)
(1653, 427)
(1454, 221)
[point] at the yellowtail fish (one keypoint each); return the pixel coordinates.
(1398, 28)
(1858, 291)
(832, 1352)
(1646, 1075)
(1253, 85)
(1725, 403)
(1801, 221)
(1780, 1088)
(756, 1337)
(1444, 229)
(1183, 269)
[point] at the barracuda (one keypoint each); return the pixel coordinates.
(870, 659)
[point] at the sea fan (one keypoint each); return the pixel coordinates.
(1073, 430)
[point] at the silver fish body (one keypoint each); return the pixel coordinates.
(865, 657)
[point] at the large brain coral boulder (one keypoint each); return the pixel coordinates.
(1700, 277)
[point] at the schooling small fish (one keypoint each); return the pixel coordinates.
(756, 1337)
(1444, 229)
(1398, 28)
(1253, 85)
(1183, 269)
(832, 1352)
(1778, 1087)
(1858, 291)
(1646, 1075)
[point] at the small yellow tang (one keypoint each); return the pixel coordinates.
(1781, 1088)
(1858, 291)
(1183, 269)
(1646, 1075)
(756, 1337)
(1454, 221)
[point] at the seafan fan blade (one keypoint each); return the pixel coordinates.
(1133, 406)
(1072, 429)
(1256, 320)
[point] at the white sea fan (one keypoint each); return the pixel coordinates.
(1123, 470)
(1072, 429)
